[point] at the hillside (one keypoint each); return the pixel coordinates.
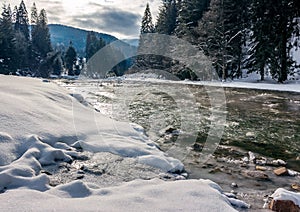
(62, 35)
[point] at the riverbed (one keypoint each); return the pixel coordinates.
(180, 117)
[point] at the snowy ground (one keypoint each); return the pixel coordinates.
(251, 81)
(41, 126)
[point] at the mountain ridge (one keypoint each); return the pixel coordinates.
(62, 35)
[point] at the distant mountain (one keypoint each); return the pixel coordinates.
(61, 35)
(132, 42)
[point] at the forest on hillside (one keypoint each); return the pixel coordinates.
(236, 35)
(255, 35)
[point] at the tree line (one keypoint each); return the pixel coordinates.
(26, 47)
(252, 35)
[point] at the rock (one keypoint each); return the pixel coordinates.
(296, 187)
(250, 134)
(257, 175)
(197, 147)
(261, 162)
(215, 170)
(185, 174)
(251, 157)
(167, 130)
(79, 177)
(293, 173)
(245, 160)
(284, 206)
(261, 168)
(234, 185)
(281, 171)
(278, 162)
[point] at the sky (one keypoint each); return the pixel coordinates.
(121, 18)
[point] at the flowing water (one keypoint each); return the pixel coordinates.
(266, 123)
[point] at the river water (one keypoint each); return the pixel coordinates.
(180, 118)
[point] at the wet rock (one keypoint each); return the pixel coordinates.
(234, 185)
(185, 175)
(250, 134)
(180, 177)
(259, 175)
(278, 162)
(197, 147)
(167, 130)
(261, 168)
(230, 195)
(79, 177)
(261, 161)
(46, 172)
(215, 170)
(80, 172)
(284, 206)
(282, 171)
(252, 157)
(296, 187)
(245, 160)
(293, 173)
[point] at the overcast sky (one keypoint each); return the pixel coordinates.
(121, 18)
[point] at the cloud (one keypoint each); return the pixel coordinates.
(121, 18)
(110, 20)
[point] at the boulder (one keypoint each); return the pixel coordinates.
(261, 168)
(282, 171)
(259, 175)
(284, 206)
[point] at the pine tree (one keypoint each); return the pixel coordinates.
(221, 32)
(34, 16)
(44, 41)
(285, 22)
(57, 66)
(190, 13)
(273, 26)
(93, 44)
(146, 27)
(70, 59)
(166, 20)
(40, 38)
(147, 24)
(22, 21)
(7, 42)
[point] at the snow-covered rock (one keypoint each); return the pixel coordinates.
(284, 200)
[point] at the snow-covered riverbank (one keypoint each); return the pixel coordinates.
(38, 129)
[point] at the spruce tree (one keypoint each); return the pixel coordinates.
(221, 35)
(93, 44)
(166, 20)
(34, 16)
(7, 42)
(274, 24)
(147, 24)
(22, 21)
(190, 13)
(70, 59)
(144, 61)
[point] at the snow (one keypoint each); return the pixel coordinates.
(42, 125)
(38, 115)
(153, 195)
(250, 82)
(283, 194)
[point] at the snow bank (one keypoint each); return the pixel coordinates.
(250, 82)
(139, 195)
(43, 111)
(283, 194)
